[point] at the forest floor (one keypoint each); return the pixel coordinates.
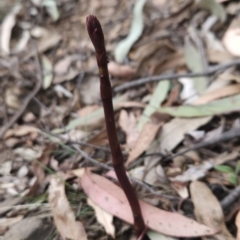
(174, 68)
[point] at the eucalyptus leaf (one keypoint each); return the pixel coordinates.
(135, 32)
(214, 7)
(225, 105)
(52, 9)
(224, 168)
(194, 62)
(232, 177)
(157, 98)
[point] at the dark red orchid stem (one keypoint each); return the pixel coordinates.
(96, 34)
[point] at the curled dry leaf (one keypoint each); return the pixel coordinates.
(121, 71)
(20, 131)
(112, 199)
(38, 170)
(63, 215)
(6, 28)
(144, 140)
(194, 172)
(208, 210)
(103, 217)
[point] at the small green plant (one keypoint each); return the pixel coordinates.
(232, 173)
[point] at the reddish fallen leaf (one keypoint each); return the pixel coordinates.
(38, 170)
(63, 215)
(112, 199)
(144, 140)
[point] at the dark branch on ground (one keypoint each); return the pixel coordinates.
(166, 77)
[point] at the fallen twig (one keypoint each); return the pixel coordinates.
(166, 77)
(231, 198)
(27, 100)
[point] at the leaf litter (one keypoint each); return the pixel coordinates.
(154, 121)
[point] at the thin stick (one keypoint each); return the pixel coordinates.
(224, 137)
(96, 35)
(166, 77)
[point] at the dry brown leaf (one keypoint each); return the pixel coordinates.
(62, 66)
(20, 131)
(111, 198)
(220, 93)
(38, 170)
(121, 71)
(237, 222)
(144, 140)
(72, 73)
(208, 210)
(128, 123)
(63, 215)
(103, 218)
(231, 38)
(173, 132)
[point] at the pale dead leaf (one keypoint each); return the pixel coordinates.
(112, 199)
(62, 66)
(48, 41)
(128, 123)
(90, 90)
(72, 73)
(121, 71)
(237, 222)
(144, 140)
(20, 131)
(6, 28)
(208, 210)
(173, 132)
(231, 38)
(103, 217)
(7, 222)
(219, 93)
(63, 215)
(194, 172)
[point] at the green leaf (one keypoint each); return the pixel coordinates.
(52, 9)
(228, 104)
(237, 170)
(157, 98)
(224, 168)
(232, 177)
(47, 72)
(214, 7)
(135, 32)
(158, 236)
(194, 62)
